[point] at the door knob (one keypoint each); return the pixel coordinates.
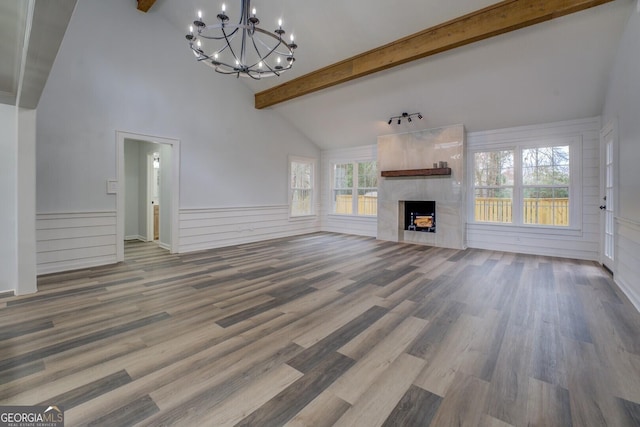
(603, 207)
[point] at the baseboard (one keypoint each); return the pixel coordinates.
(135, 237)
(75, 265)
(628, 291)
(164, 246)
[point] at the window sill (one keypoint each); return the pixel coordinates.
(358, 217)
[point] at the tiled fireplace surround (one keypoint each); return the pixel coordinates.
(419, 150)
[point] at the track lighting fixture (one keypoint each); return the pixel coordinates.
(406, 116)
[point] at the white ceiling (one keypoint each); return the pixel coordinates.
(13, 15)
(556, 70)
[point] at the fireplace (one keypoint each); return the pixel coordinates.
(420, 216)
(441, 222)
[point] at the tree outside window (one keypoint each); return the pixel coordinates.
(545, 181)
(493, 186)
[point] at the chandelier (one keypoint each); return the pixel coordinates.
(243, 49)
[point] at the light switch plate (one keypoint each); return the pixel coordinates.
(112, 186)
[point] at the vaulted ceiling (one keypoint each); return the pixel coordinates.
(554, 70)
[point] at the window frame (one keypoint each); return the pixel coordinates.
(574, 143)
(355, 187)
(313, 209)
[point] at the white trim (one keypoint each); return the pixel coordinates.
(175, 187)
(610, 127)
(575, 185)
(135, 237)
(77, 214)
(76, 265)
(149, 212)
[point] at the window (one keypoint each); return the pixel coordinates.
(343, 188)
(525, 185)
(301, 186)
(355, 188)
(493, 181)
(545, 183)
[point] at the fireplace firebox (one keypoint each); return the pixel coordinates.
(420, 216)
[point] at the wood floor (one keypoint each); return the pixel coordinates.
(326, 329)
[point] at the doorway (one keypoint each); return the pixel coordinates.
(608, 168)
(148, 189)
(153, 196)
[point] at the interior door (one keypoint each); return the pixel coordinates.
(608, 202)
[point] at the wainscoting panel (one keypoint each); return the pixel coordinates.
(360, 226)
(628, 259)
(219, 227)
(73, 240)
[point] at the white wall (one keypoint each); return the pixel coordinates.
(26, 202)
(8, 195)
(17, 195)
(580, 241)
(120, 69)
(622, 105)
(360, 225)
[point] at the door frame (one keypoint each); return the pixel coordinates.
(121, 136)
(611, 128)
(150, 175)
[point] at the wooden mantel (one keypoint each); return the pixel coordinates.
(500, 18)
(416, 172)
(145, 5)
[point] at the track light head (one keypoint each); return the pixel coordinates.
(420, 116)
(390, 120)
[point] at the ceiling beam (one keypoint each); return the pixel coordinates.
(496, 19)
(145, 5)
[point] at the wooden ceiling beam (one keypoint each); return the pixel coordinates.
(145, 5)
(491, 21)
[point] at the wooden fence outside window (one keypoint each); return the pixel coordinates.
(543, 211)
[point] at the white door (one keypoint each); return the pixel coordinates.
(608, 202)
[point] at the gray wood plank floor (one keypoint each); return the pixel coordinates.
(326, 329)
